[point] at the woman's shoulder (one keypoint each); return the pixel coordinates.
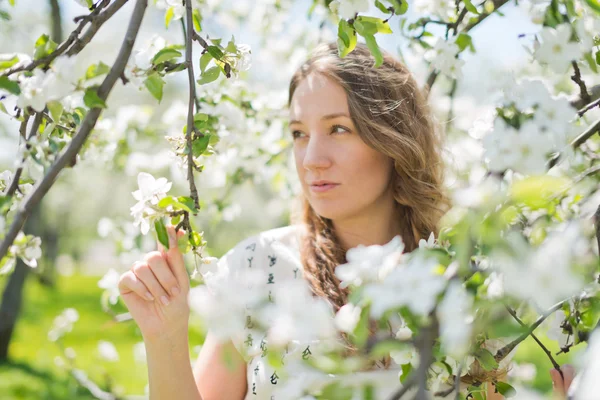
(267, 248)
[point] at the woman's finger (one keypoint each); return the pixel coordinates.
(175, 258)
(557, 382)
(144, 273)
(162, 271)
(130, 283)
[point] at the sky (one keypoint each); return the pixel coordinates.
(496, 40)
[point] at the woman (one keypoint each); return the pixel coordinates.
(368, 158)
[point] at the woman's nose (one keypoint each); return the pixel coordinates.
(317, 154)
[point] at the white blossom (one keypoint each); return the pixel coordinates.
(143, 57)
(297, 315)
(223, 301)
(176, 5)
(63, 323)
(429, 243)
(369, 263)
(555, 331)
(110, 282)
(524, 151)
(455, 316)
(415, 285)
(107, 351)
(148, 195)
(543, 274)
(556, 50)
(347, 9)
(443, 57)
(347, 317)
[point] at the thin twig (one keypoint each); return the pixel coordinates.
(504, 351)
(585, 109)
(42, 187)
(406, 386)
(192, 98)
(544, 348)
(61, 48)
(576, 77)
(96, 23)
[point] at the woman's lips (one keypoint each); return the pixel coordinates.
(323, 188)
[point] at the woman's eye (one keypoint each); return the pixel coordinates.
(296, 134)
(339, 129)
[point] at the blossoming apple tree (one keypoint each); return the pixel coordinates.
(518, 250)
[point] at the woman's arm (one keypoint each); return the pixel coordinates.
(212, 378)
(170, 369)
(216, 378)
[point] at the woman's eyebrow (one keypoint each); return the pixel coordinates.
(325, 117)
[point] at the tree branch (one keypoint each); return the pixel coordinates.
(576, 77)
(504, 351)
(73, 38)
(548, 353)
(192, 98)
(56, 22)
(79, 139)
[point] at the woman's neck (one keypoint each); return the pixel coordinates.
(378, 227)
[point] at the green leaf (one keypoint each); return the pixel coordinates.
(380, 25)
(486, 359)
(197, 18)
(215, 52)
(161, 233)
(374, 47)
(92, 100)
(346, 38)
(365, 27)
(188, 204)
(165, 54)
(463, 41)
(594, 5)
(4, 64)
(200, 117)
(537, 191)
(200, 145)
(591, 62)
(44, 46)
(381, 7)
(154, 83)
(335, 391)
(204, 60)
(505, 389)
(10, 86)
(400, 6)
(471, 7)
(169, 16)
(5, 203)
(369, 392)
(406, 371)
(95, 70)
(210, 75)
(361, 331)
(56, 110)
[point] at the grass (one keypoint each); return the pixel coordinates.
(33, 375)
(32, 372)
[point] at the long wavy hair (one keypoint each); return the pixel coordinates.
(392, 116)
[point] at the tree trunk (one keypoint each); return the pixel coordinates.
(12, 297)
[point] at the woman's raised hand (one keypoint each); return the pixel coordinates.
(155, 291)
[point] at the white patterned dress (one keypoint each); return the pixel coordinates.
(276, 252)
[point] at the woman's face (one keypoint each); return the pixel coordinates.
(342, 177)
